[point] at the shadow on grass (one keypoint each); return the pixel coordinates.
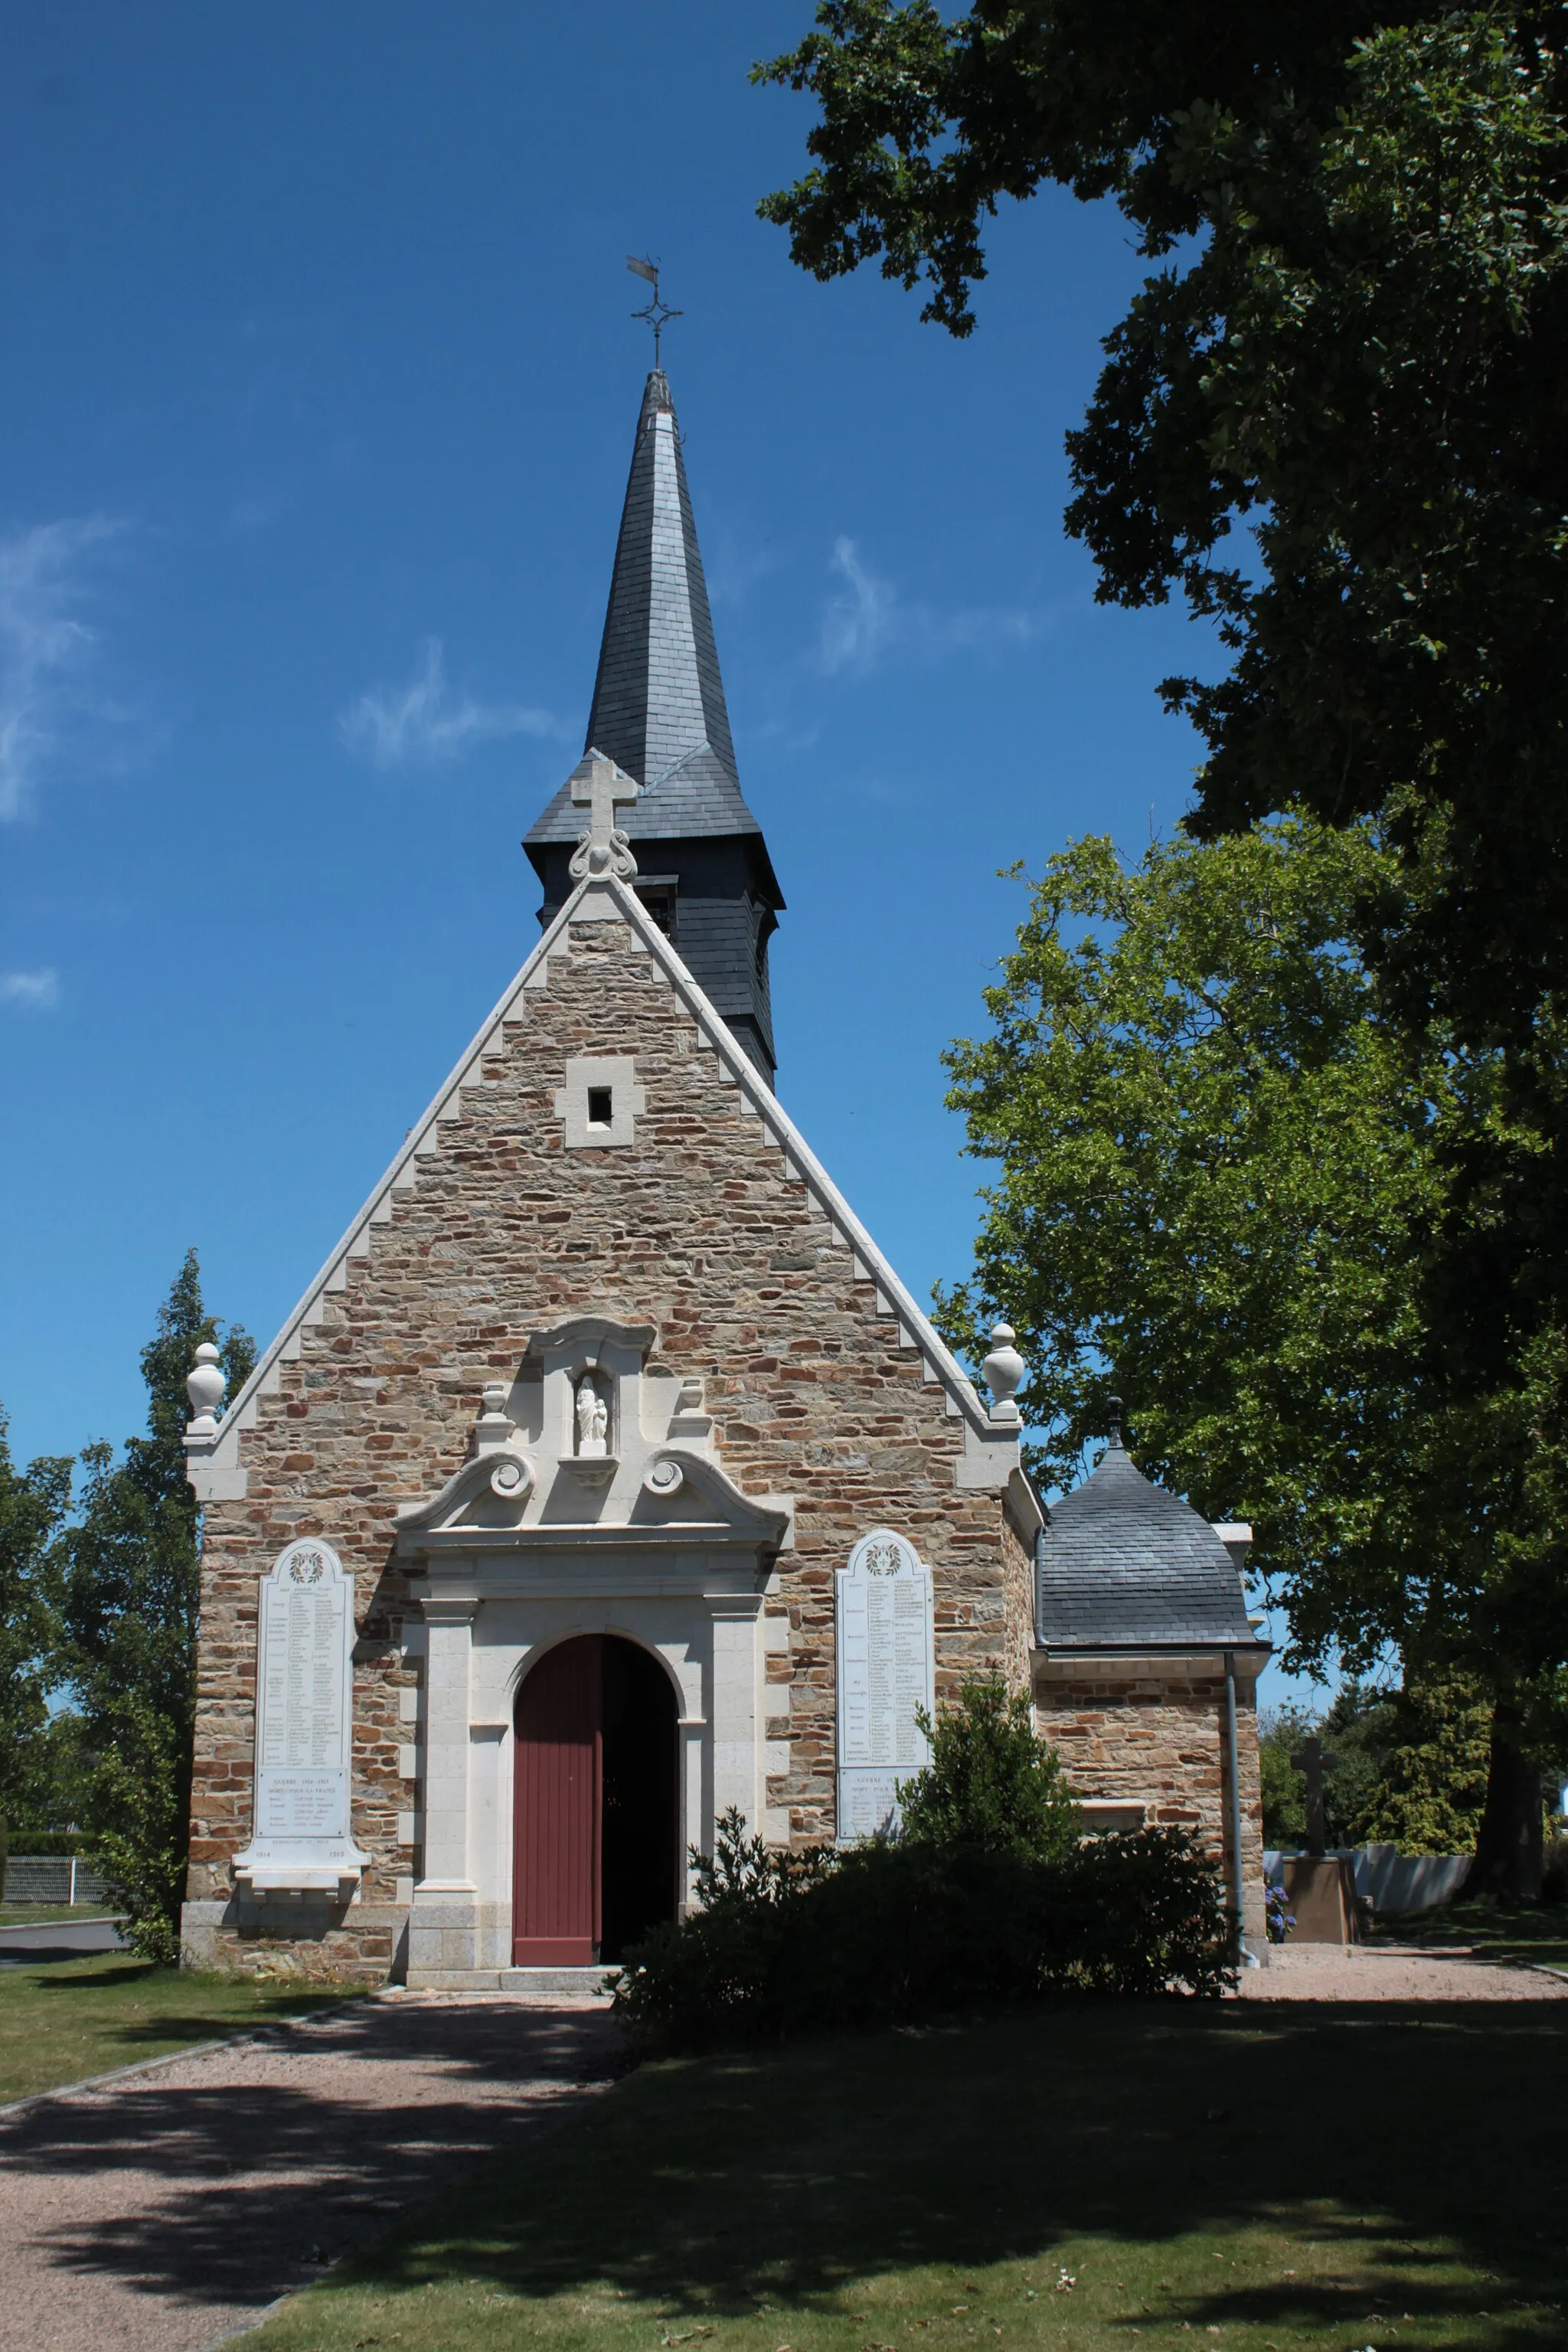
(244, 2004)
(1481, 1921)
(123, 1972)
(244, 2180)
(1400, 2141)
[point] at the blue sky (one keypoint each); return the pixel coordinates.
(317, 388)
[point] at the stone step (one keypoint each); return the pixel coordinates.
(557, 1980)
(524, 1984)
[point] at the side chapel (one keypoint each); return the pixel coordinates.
(607, 1476)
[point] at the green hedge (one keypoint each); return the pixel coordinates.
(898, 1932)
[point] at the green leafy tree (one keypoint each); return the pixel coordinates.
(1357, 1732)
(131, 1592)
(48, 1818)
(1407, 1767)
(1354, 342)
(1221, 1168)
(1352, 347)
(1280, 1731)
(992, 1786)
(1430, 1789)
(32, 1505)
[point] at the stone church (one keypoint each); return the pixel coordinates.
(607, 1476)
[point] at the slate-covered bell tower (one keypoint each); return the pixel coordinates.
(703, 868)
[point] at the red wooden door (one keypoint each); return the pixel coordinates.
(555, 1906)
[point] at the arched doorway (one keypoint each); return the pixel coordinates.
(596, 1827)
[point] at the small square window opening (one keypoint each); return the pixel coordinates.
(658, 895)
(600, 1106)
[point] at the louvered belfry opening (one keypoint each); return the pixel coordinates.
(596, 1821)
(660, 712)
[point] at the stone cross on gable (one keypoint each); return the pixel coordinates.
(1312, 1762)
(601, 788)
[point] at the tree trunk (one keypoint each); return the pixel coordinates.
(1508, 1844)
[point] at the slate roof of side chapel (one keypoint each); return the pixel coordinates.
(1124, 1564)
(659, 707)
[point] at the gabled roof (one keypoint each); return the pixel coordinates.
(990, 1446)
(659, 700)
(1123, 1564)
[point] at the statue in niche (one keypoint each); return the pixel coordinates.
(593, 1420)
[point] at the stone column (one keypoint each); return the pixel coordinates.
(732, 1711)
(490, 1844)
(696, 1820)
(442, 1927)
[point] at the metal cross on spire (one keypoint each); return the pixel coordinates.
(656, 313)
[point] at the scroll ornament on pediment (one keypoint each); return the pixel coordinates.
(499, 1470)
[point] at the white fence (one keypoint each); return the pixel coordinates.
(58, 1878)
(1391, 1881)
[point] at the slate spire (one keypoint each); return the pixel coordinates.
(659, 700)
(658, 711)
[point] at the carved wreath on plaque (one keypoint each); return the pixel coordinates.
(889, 1558)
(307, 1568)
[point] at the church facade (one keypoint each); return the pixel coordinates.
(608, 1477)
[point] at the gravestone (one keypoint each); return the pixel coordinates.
(884, 1643)
(304, 1725)
(1320, 1891)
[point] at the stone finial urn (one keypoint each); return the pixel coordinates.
(1003, 1369)
(205, 1385)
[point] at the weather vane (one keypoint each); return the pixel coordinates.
(656, 313)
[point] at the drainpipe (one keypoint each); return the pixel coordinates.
(1232, 1772)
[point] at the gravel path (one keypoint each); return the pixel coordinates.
(163, 2213)
(1392, 1972)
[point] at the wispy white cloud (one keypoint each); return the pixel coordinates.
(855, 627)
(424, 724)
(30, 991)
(869, 619)
(43, 646)
(733, 563)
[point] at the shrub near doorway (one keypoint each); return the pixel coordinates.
(988, 1895)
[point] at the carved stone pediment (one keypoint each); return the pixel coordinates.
(595, 1442)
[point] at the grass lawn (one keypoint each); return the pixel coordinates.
(1512, 1931)
(1069, 2181)
(75, 2018)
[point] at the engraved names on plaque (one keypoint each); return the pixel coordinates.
(304, 1725)
(885, 1675)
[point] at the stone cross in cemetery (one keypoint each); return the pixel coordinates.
(600, 787)
(1312, 1760)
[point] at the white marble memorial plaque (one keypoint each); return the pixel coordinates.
(304, 1723)
(868, 1802)
(884, 1677)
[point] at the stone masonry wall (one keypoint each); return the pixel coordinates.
(697, 1227)
(1142, 1731)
